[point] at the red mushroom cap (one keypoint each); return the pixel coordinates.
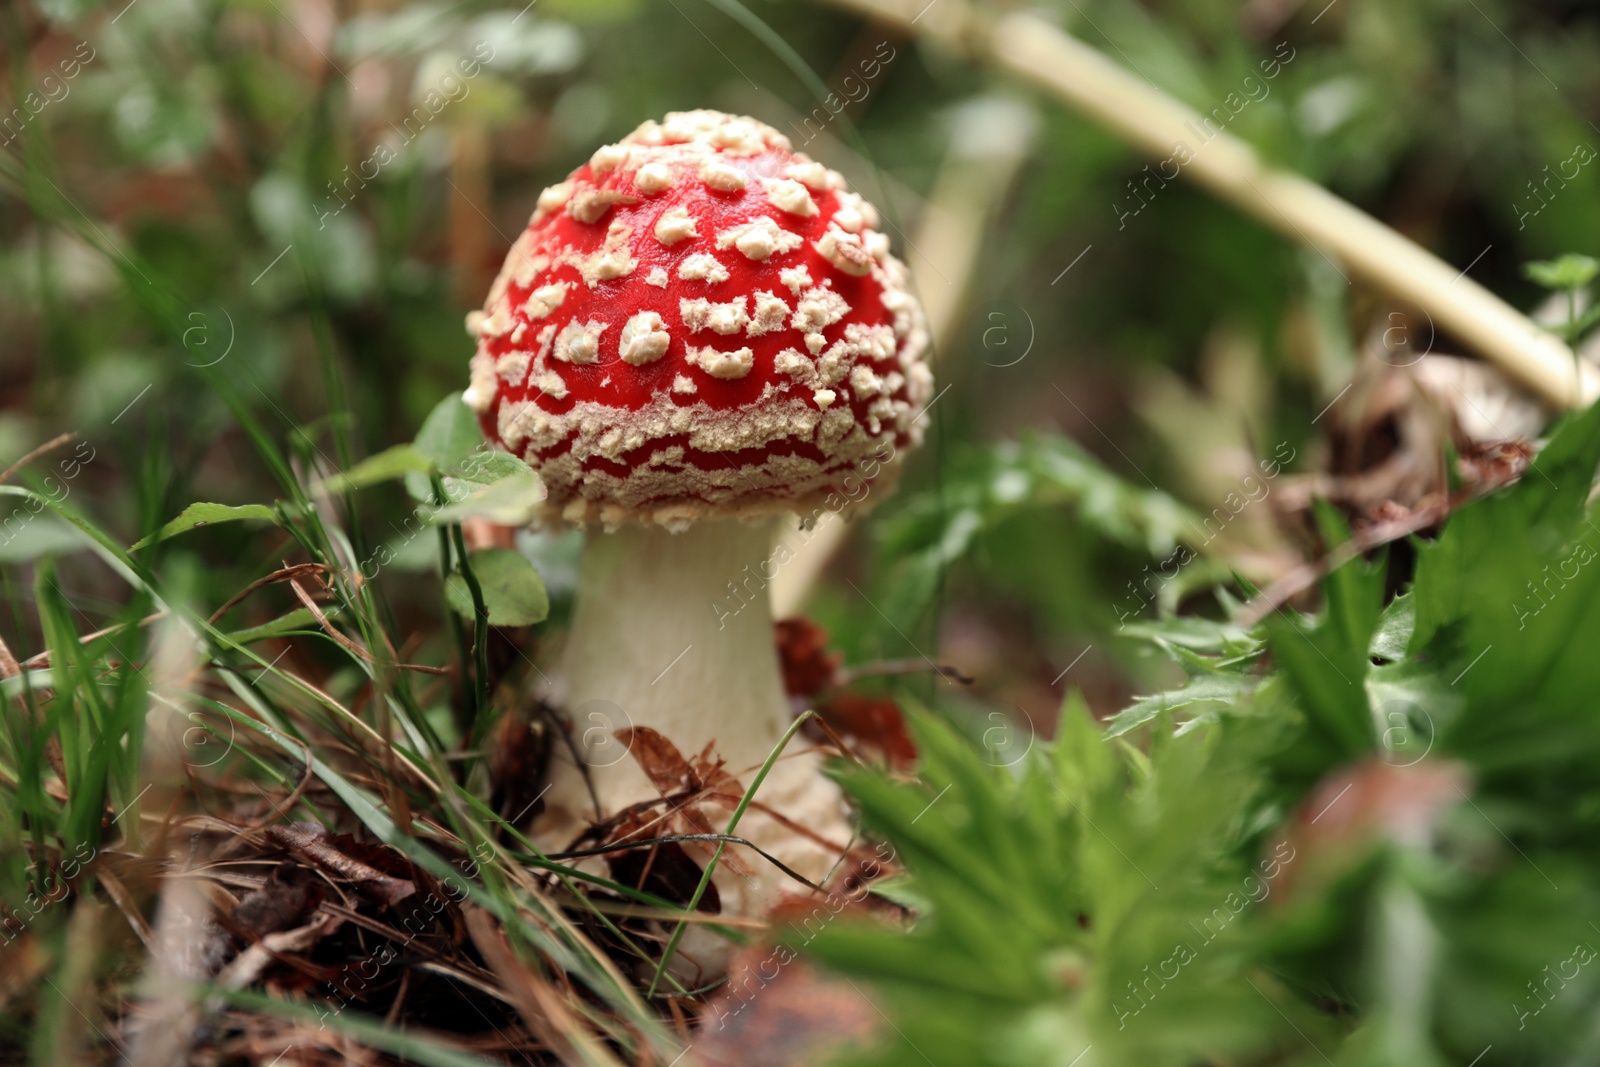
(700, 322)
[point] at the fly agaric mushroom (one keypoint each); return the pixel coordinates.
(698, 332)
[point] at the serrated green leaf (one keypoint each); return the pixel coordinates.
(902, 891)
(1058, 889)
(1195, 634)
(1476, 573)
(1084, 763)
(1327, 659)
(1395, 627)
(1328, 679)
(1224, 688)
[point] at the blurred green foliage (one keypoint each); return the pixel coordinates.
(1380, 851)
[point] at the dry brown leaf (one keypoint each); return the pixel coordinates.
(659, 759)
(282, 902)
(777, 1011)
(686, 785)
(873, 721)
(518, 755)
(808, 667)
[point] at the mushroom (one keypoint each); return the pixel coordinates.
(699, 332)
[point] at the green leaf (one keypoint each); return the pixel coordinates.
(1328, 674)
(1565, 273)
(1395, 627)
(26, 536)
(1354, 593)
(498, 487)
(985, 488)
(1196, 634)
(387, 465)
(513, 592)
(1473, 576)
(1061, 885)
(197, 515)
(902, 891)
(1206, 689)
(1327, 660)
(298, 619)
(1084, 763)
(449, 435)
(483, 468)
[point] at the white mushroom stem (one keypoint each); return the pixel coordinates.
(660, 631)
(674, 632)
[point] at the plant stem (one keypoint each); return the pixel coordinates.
(480, 637)
(465, 725)
(1083, 79)
(733, 824)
